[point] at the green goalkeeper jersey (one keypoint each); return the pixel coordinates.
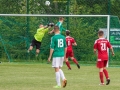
(40, 34)
(58, 43)
(59, 24)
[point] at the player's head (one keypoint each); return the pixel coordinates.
(61, 19)
(41, 26)
(100, 33)
(67, 32)
(56, 29)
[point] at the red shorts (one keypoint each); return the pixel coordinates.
(69, 53)
(101, 64)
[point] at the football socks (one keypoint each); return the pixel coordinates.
(106, 73)
(58, 78)
(68, 65)
(101, 77)
(61, 74)
(75, 61)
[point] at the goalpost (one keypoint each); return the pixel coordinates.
(45, 15)
(107, 22)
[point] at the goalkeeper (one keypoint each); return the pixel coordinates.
(39, 36)
(59, 24)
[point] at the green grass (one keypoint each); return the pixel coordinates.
(37, 76)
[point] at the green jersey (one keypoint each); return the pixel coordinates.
(59, 24)
(58, 43)
(40, 34)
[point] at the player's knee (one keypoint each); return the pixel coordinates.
(37, 51)
(72, 58)
(104, 68)
(66, 60)
(56, 69)
(31, 47)
(100, 69)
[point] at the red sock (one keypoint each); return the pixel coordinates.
(75, 61)
(106, 73)
(101, 77)
(68, 64)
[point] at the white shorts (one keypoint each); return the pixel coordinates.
(57, 61)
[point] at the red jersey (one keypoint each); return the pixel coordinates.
(101, 45)
(69, 42)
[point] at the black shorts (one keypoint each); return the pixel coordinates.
(36, 43)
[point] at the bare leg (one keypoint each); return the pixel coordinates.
(30, 48)
(37, 52)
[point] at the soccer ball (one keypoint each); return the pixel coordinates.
(47, 3)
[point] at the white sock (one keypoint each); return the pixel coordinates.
(62, 74)
(58, 78)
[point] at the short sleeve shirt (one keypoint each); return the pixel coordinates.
(58, 43)
(101, 45)
(69, 42)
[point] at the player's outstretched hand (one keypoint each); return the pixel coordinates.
(51, 24)
(49, 58)
(51, 32)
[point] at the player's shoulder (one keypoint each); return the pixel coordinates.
(54, 36)
(69, 37)
(96, 40)
(62, 35)
(101, 40)
(40, 28)
(59, 35)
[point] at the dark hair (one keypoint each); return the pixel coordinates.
(100, 33)
(67, 32)
(56, 28)
(61, 18)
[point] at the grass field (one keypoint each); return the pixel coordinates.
(37, 76)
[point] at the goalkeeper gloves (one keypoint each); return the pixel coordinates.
(51, 24)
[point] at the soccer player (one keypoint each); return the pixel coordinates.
(100, 49)
(38, 37)
(59, 24)
(70, 42)
(58, 51)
